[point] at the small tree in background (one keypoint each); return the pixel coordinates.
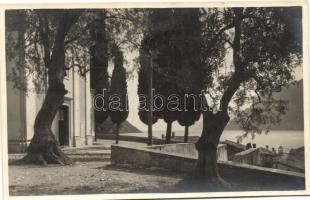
(118, 99)
(110, 27)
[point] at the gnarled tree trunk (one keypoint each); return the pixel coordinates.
(213, 126)
(44, 148)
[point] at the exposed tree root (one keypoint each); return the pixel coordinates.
(44, 159)
(49, 156)
(44, 148)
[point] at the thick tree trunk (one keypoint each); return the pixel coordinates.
(186, 134)
(168, 133)
(213, 126)
(44, 148)
(117, 133)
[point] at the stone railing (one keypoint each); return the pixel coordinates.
(258, 178)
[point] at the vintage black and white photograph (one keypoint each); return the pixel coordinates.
(161, 100)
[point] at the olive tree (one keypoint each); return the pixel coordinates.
(265, 46)
(45, 49)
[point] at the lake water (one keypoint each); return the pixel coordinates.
(288, 139)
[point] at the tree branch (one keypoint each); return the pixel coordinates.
(214, 40)
(82, 70)
(72, 40)
(44, 34)
(233, 86)
(87, 26)
(258, 96)
(238, 77)
(229, 42)
(203, 10)
(259, 82)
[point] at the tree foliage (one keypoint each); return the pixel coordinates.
(143, 84)
(263, 62)
(160, 43)
(99, 64)
(118, 97)
(190, 81)
(118, 109)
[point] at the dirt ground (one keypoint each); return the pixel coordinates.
(92, 173)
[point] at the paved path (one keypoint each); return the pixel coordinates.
(98, 148)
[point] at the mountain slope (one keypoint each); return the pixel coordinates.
(107, 127)
(294, 118)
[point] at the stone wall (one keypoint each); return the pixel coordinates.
(244, 175)
(189, 149)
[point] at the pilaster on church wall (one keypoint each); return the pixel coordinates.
(76, 107)
(82, 102)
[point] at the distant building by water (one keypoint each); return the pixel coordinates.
(292, 160)
(233, 148)
(255, 156)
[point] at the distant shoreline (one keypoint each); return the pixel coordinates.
(180, 130)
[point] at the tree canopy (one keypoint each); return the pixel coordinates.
(263, 62)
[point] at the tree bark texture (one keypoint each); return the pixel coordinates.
(213, 126)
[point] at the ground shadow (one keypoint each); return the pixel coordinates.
(154, 171)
